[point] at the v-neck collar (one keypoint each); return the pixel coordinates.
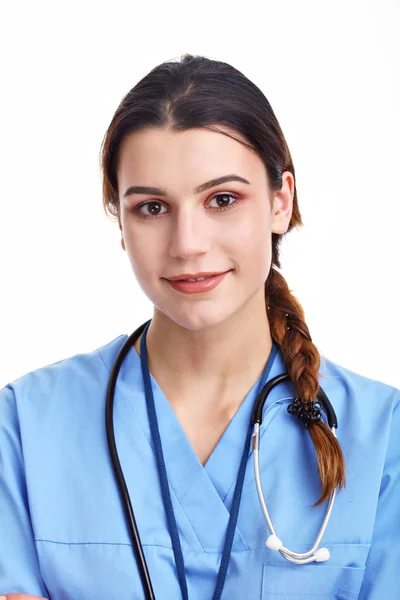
(200, 490)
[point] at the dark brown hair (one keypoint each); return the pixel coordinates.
(199, 92)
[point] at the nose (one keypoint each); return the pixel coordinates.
(191, 234)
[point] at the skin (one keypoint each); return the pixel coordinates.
(215, 343)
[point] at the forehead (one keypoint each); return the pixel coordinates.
(164, 156)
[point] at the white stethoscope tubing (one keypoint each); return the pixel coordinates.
(273, 542)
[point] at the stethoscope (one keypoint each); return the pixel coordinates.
(314, 554)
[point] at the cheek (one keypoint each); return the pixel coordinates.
(144, 255)
(254, 250)
(252, 235)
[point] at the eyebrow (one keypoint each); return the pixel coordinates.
(140, 189)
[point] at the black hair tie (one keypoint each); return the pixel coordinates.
(308, 412)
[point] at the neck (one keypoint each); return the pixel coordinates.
(218, 360)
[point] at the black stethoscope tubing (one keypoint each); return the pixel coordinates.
(130, 517)
(124, 493)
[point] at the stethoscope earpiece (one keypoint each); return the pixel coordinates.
(274, 542)
(321, 555)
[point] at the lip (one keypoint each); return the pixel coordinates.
(182, 276)
(198, 287)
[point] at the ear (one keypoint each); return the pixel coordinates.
(122, 237)
(283, 204)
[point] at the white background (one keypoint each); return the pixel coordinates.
(331, 74)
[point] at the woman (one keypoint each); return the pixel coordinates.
(198, 175)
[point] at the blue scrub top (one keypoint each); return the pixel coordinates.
(63, 533)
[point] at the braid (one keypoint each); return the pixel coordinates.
(303, 361)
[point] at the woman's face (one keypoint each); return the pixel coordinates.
(188, 231)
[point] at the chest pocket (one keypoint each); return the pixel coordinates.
(313, 581)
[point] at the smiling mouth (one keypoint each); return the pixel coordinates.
(200, 278)
(198, 287)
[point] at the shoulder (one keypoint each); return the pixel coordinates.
(357, 388)
(365, 408)
(82, 371)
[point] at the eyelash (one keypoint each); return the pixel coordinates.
(237, 198)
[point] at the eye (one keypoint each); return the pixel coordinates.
(155, 204)
(149, 204)
(225, 206)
